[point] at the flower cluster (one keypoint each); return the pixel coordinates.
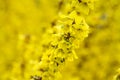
(66, 34)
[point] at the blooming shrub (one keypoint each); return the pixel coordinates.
(59, 39)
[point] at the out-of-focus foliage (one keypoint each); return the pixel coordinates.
(37, 35)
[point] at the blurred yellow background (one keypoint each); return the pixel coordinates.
(23, 28)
